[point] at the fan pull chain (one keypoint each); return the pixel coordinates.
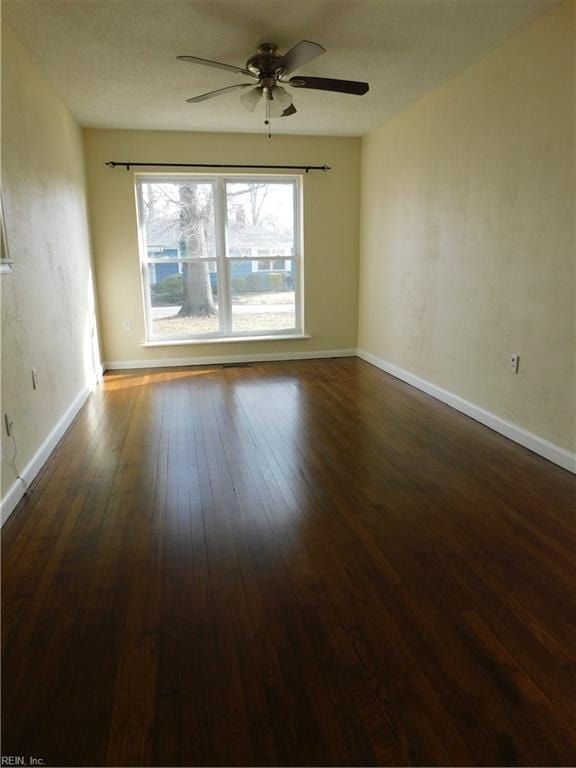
(267, 121)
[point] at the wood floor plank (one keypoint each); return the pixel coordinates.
(300, 563)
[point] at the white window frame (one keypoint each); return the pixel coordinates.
(223, 262)
(5, 260)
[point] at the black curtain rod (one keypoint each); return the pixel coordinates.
(128, 165)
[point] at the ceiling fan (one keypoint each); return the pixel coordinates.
(271, 69)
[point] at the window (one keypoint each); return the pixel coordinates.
(220, 256)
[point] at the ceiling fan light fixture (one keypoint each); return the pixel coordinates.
(251, 98)
(275, 108)
(282, 96)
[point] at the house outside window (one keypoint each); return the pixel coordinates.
(220, 256)
(272, 265)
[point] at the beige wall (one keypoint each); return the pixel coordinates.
(330, 234)
(467, 233)
(47, 301)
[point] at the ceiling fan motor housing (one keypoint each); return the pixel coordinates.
(265, 64)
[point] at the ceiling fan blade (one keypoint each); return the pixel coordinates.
(217, 64)
(329, 84)
(300, 55)
(291, 110)
(212, 94)
(251, 98)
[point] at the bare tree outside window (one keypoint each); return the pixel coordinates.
(195, 215)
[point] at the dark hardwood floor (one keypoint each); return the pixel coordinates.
(289, 564)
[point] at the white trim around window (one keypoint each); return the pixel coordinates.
(221, 262)
(5, 260)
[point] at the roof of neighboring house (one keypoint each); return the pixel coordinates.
(166, 233)
(248, 234)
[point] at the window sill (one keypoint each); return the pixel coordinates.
(224, 340)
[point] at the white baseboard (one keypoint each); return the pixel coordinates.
(36, 463)
(177, 362)
(529, 440)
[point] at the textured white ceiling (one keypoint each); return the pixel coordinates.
(113, 61)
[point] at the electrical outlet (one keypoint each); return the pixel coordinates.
(34, 378)
(514, 362)
(127, 326)
(9, 423)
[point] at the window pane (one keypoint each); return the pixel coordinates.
(262, 301)
(183, 299)
(260, 219)
(178, 219)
